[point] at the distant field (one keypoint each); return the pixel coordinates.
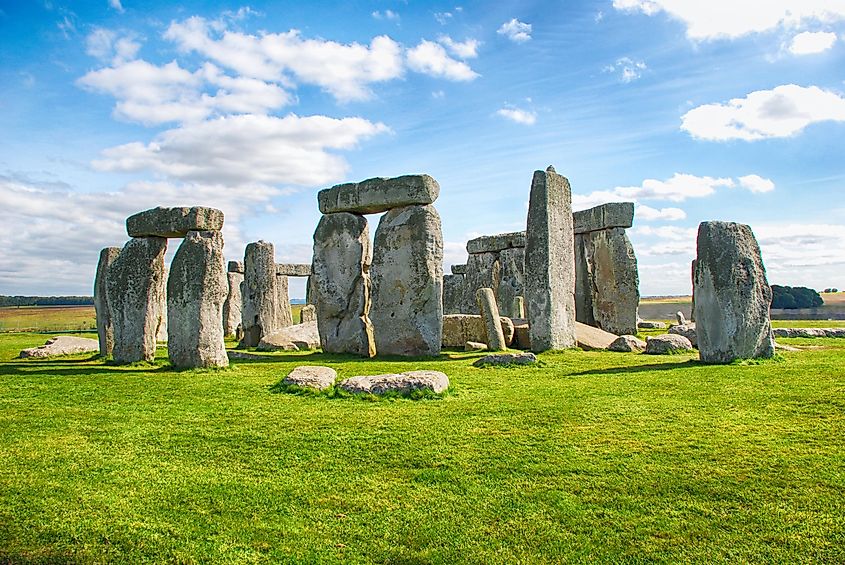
(833, 311)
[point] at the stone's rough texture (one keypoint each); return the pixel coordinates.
(475, 346)
(667, 343)
(483, 271)
(135, 284)
(584, 289)
(62, 345)
(692, 304)
(341, 284)
(588, 337)
(459, 269)
(174, 222)
(647, 325)
(606, 216)
(490, 314)
(518, 307)
(285, 316)
(506, 359)
(511, 281)
(260, 314)
(293, 269)
(308, 314)
(550, 263)
(681, 319)
(232, 305)
(614, 280)
(407, 282)
(105, 329)
(453, 294)
(494, 243)
(809, 332)
(292, 338)
(311, 376)
(627, 344)
(377, 195)
(235, 267)
(521, 335)
(403, 383)
(196, 289)
(461, 328)
(686, 330)
(732, 295)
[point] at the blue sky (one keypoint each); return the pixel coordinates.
(695, 111)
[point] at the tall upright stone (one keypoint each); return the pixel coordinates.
(550, 263)
(135, 288)
(614, 280)
(341, 284)
(453, 294)
(260, 313)
(407, 282)
(105, 327)
(196, 289)
(732, 295)
(584, 290)
(511, 280)
(483, 270)
(232, 305)
(283, 300)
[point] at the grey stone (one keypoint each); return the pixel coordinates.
(732, 295)
(687, 330)
(627, 344)
(483, 271)
(461, 328)
(232, 305)
(506, 359)
(407, 282)
(692, 298)
(403, 383)
(135, 285)
(605, 216)
(311, 376)
(550, 263)
(808, 332)
(285, 315)
(260, 314)
(105, 328)
(667, 343)
(495, 243)
(511, 281)
(589, 337)
(62, 345)
(308, 313)
(196, 289)
(475, 346)
(584, 290)
(303, 336)
(521, 334)
(235, 267)
(293, 269)
(377, 195)
(681, 319)
(614, 280)
(459, 269)
(341, 284)
(174, 222)
(518, 308)
(453, 294)
(490, 314)
(650, 325)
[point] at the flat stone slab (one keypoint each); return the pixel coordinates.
(606, 216)
(808, 332)
(174, 222)
(499, 359)
(62, 345)
(589, 337)
(402, 383)
(459, 269)
(664, 344)
(377, 195)
(293, 269)
(292, 338)
(311, 376)
(475, 346)
(627, 344)
(648, 325)
(235, 267)
(493, 243)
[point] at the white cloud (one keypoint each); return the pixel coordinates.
(718, 19)
(107, 46)
(443, 18)
(809, 42)
(115, 4)
(515, 30)
(756, 183)
(431, 59)
(647, 213)
(628, 69)
(386, 15)
(527, 117)
(467, 49)
(781, 112)
(791, 250)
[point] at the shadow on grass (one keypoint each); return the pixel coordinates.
(689, 364)
(255, 356)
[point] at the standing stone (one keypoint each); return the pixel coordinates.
(615, 280)
(490, 314)
(105, 328)
(732, 295)
(260, 314)
(584, 289)
(196, 289)
(692, 304)
(518, 307)
(453, 293)
(550, 263)
(308, 314)
(407, 279)
(511, 280)
(483, 271)
(135, 289)
(341, 284)
(232, 305)
(285, 317)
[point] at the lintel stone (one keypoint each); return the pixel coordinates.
(236, 267)
(377, 195)
(606, 216)
(494, 243)
(293, 269)
(174, 222)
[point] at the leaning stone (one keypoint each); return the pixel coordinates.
(588, 337)
(667, 343)
(461, 328)
(174, 222)
(404, 383)
(377, 195)
(627, 344)
(62, 345)
(605, 216)
(260, 314)
(483, 271)
(495, 243)
(649, 325)
(407, 282)
(613, 280)
(232, 305)
(292, 338)
(308, 313)
(490, 314)
(459, 269)
(475, 346)
(511, 282)
(453, 294)
(686, 330)
(732, 295)
(135, 284)
(105, 328)
(293, 269)
(311, 376)
(235, 267)
(506, 359)
(550, 262)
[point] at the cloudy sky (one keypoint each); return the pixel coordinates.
(729, 110)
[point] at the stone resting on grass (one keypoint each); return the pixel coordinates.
(403, 383)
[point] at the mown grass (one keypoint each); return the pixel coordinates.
(594, 457)
(47, 318)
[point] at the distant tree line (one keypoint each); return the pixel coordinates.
(792, 297)
(831, 290)
(46, 300)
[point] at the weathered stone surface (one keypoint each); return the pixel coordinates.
(260, 314)
(809, 332)
(459, 269)
(135, 285)
(686, 330)
(550, 263)
(308, 313)
(483, 271)
(293, 269)
(475, 346)
(235, 267)
(461, 328)
(453, 294)
(303, 336)
(518, 307)
(285, 316)
(196, 289)
(341, 284)
(650, 325)
(588, 337)
(506, 359)
(732, 295)
(174, 222)
(584, 290)
(667, 343)
(627, 344)
(692, 298)
(490, 314)
(605, 216)
(614, 280)
(403, 383)
(511, 281)
(232, 305)
(407, 282)
(105, 329)
(495, 243)
(377, 195)
(521, 335)
(681, 319)
(62, 345)
(311, 376)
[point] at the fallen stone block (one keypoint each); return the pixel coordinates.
(686, 330)
(647, 325)
(588, 337)
(292, 338)
(62, 345)
(627, 344)
(403, 383)
(505, 359)
(666, 344)
(475, 346)
(311, 376)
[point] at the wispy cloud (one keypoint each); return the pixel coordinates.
(515, 30)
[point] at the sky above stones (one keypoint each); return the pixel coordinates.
(718, 110)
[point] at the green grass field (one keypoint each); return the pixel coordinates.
(592, 457)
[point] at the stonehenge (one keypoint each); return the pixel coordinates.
(490, 314)
(260, 309)
(232, 306)
(105, 327)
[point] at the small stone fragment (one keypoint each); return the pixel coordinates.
(664, 344)
(308, 313)
(311, 376)
(627, 344)
(505, 359)
(475, 346)
(650, 325)
(687, 330)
